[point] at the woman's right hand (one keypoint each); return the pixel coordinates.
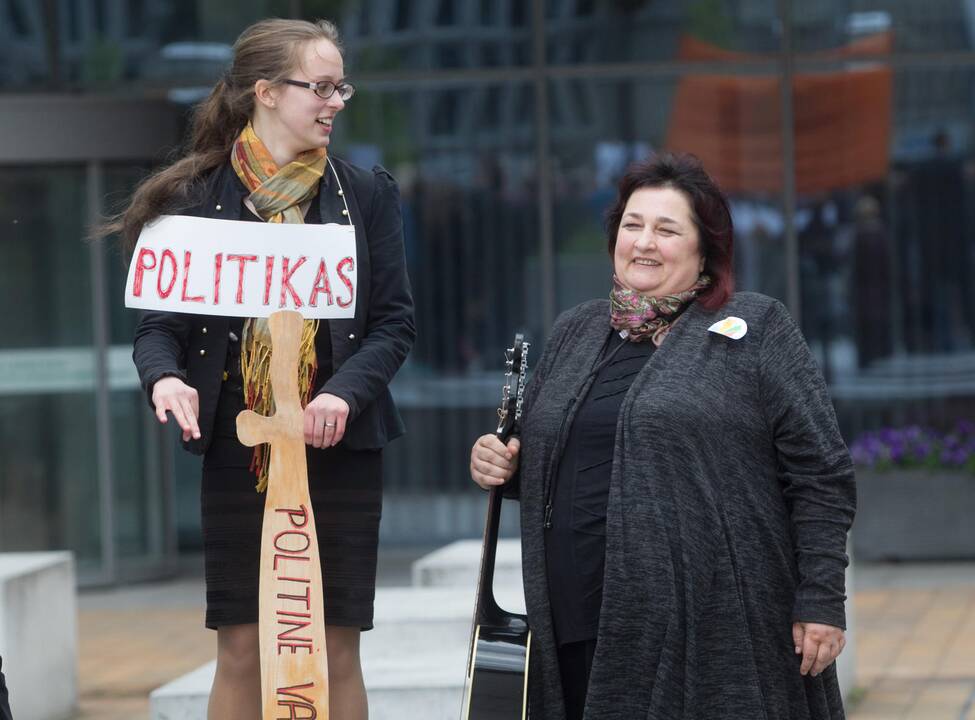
(173, 395)
(493, 463)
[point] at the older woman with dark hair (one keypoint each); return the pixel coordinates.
(685, 492)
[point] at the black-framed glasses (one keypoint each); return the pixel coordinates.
(325, 88)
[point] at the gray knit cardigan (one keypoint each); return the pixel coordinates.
(730, 500)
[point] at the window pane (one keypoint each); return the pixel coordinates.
(887, 262)
(831, 27)
(143, 508)
(142, 505)
(46, 275)
(179, 45)
(48, 473)
(120, 182)
(464, 158)
(448, 34)
(179, 48)
(49, 493)
(581, 31)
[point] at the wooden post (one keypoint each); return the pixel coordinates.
(294, 665)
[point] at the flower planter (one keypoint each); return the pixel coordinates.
(915, 515)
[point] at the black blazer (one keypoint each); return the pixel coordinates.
(366, 350)
(5, 713)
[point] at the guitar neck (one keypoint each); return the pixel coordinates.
(487, 609)
(487, 606)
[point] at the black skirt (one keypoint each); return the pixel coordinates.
(346, 496)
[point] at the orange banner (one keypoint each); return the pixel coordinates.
(734, 124)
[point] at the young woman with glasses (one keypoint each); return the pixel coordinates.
(260, 153)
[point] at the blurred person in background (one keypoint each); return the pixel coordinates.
(871, 291)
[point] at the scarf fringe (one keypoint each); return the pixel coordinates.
(255, 366)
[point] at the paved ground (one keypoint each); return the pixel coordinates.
(915, 641)
(134, 639)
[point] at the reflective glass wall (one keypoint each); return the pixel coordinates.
(884, 218)
(842, 131)
(81, 466)
(48, 468)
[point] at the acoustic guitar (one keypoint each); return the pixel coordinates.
(496, 685)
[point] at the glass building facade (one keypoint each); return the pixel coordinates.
(842, 130)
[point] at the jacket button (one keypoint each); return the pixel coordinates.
(204, 331)
(344, 211)
(351, 336)
(219, 208)
(341, 192)
(203, 353)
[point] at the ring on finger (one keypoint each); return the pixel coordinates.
(329, 424)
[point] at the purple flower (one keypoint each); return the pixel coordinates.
(916, 446)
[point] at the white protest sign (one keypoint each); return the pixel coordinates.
(243, 269)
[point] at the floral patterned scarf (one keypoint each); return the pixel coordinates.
(641, 317)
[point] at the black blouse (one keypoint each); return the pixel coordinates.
(575, 545)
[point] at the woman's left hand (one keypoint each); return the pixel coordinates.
(818, 644)
(325, 418)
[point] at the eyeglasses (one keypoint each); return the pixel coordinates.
(326, 88)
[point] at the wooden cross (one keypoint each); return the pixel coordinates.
(294, 664)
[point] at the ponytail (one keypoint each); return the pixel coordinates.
(213, 129)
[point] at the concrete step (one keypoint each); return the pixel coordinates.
(458, 564)
(430, 686)
(413, 661)
(38, 633)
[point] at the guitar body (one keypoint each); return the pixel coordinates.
(496, 684)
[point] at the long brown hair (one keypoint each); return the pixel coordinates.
(269, 49)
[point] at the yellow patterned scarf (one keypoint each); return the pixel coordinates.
(277, 195)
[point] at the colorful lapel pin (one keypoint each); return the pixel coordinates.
(732, 327)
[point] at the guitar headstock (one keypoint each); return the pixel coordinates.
(512, 395)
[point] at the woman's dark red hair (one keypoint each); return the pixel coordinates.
(709, 209)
